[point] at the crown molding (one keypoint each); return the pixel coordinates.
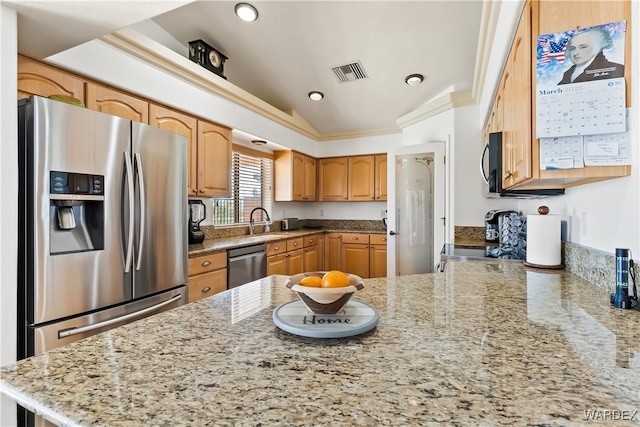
(148, 50)
(488, 24)
(435, 107)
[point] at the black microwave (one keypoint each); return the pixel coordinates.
(491, 169)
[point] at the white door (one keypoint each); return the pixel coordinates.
(416, 208)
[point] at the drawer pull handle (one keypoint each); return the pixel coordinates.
(206, 263)
(354, 238)
(205, 290)
(384, 239)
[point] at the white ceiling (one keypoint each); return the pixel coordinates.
(292, 47)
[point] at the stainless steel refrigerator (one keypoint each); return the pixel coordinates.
(103, 223)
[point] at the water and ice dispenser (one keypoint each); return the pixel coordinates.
(76, 212)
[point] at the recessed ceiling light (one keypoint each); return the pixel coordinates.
(258, 142)
(414, 79)
(315, 95)
(246, 12)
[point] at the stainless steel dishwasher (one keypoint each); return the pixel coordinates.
(246, 264)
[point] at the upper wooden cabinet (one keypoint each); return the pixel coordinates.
(213, 163)
(361, 178)
(333, 179)
(514, 107)
(355, 178)
(182, 124)
(381, 177)
(36, 78)
(114, 102)
(295, 177)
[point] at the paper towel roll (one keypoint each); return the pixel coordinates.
(543, 240)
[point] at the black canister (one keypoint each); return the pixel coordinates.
(620, 298)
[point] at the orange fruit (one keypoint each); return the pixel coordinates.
(313, 281)
(335, 279)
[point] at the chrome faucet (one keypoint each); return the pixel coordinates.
(267, 227)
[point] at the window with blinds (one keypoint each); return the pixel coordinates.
(251, 187)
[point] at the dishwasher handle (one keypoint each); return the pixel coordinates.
(247, 256)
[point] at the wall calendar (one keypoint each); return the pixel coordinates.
(588, 108)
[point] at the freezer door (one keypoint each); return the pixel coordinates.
(54, 335)
(161, 242)
(59, 137)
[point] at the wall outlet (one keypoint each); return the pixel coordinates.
(384, 213)
(321, 212)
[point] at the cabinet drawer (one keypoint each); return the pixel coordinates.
(293, 244)
(275, 248)
(355, 238)
(311, 240)
(207, 284)
(378, 239)
(208, 262)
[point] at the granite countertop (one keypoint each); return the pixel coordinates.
(224, 243)
(481, 343)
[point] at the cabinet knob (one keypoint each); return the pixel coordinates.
(354, 238)
(295, 244)
(206, 263)
(508, 175)
(205, 290)
(202, 191)
(276, 248)
(384, 239)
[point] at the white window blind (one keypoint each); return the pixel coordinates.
(251, 187)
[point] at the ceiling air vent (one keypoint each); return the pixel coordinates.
(350, 72)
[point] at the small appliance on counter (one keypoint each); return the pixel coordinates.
(492, 224)
(289, 224)
(197, 213)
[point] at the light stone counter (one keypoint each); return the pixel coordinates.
(480, 344)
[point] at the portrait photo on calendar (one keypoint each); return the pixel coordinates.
(581, 55)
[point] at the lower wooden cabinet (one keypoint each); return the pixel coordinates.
(377, 255)
(364, 255)
(285, 257)
(207, 275)
(355, 254)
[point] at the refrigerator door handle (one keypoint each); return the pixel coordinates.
(129, 254)
(143, 209)
(74, 331)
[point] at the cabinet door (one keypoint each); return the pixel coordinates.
(310, 179)
(332, 179)
(297, 182)
(114, 102)
(214, 160)
(381, 177)
(207, 284)
(36, 78)
(277, 264)
(311, 258)
(355, 259)
(333, 256)
(361, 178)
(557, 16)
(182, 124)
(295, 261)
(378, 261)
(518, 156)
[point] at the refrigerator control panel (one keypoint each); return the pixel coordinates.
(76, 183)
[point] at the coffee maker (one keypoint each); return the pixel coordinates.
(492, 224)
(197, 213)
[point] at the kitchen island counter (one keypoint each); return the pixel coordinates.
(481, 343)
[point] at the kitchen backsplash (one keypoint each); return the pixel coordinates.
(598, 267)
(217, 232)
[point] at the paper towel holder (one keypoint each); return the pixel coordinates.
(543, 210)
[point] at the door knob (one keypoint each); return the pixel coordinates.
(392, 233)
